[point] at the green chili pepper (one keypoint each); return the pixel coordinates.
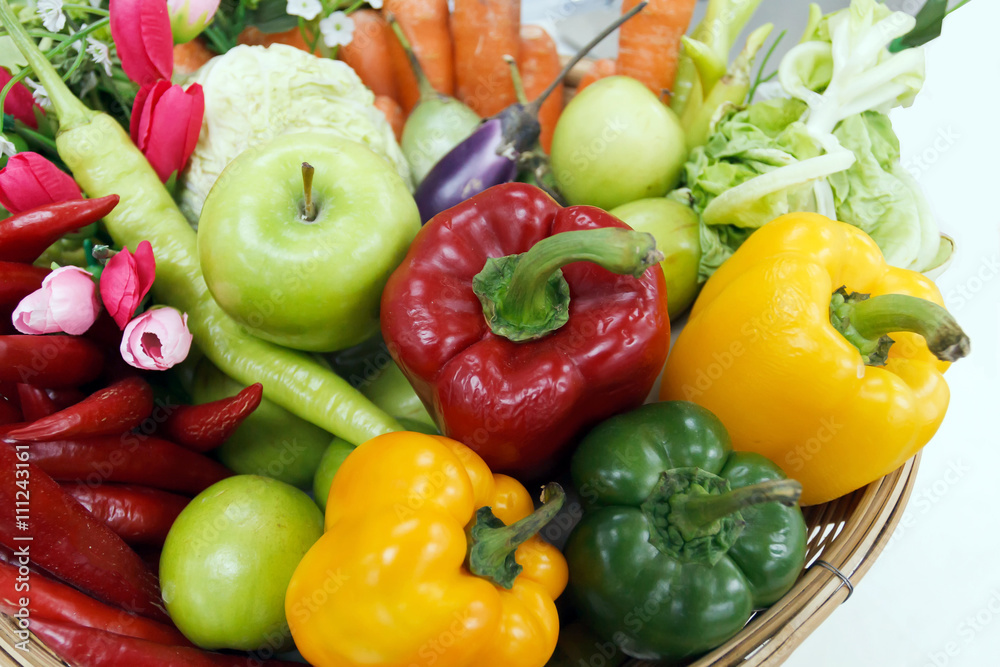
(104, 161)
(683, 538)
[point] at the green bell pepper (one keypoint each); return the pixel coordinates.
(682, 539)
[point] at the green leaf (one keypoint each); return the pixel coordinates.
(930, 18)
(271, 17)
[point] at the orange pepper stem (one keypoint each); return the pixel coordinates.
(866, 322)
(492, 544)
(525, 296)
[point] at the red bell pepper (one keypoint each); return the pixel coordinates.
(88, 647)
(128, 459)
(112, 410)
(66, 540)
(35, 402)
(53, 601)
(512, 356)
(54, 361)
(25, 236)
(138, 514)
(206, 426)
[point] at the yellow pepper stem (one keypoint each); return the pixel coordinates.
(866, 323)
(492, 544)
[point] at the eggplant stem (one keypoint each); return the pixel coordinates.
(581, 54)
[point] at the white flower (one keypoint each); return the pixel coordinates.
(40, 94)
(307, 9)
(375, 4)
(337, 29)
(52, 15)
(7, 148)
(99, 53)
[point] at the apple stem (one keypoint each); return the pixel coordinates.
(307, 183)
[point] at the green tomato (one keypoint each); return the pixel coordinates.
(616, 143)
(391, 391)
(433, 128)
(676, 230)
(228, 558)
(271, 441)
(310, 280)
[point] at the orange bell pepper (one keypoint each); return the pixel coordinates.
(428, 559)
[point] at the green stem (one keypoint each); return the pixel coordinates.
(309, 207)
(702, 510)
(36, 137)
(492, 545)
(427, 91)
(89, 9)
(876, 317)
(68, 108)
(525, 297)
(515, 77)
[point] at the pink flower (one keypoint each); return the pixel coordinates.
(189, 17)
(157, 339)
(66, 302)
(29, 181)
(126, 281)
(166, 121)
(20, 103)
(141, 31)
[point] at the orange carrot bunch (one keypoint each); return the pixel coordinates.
(649, 44)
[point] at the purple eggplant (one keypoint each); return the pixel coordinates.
(492, 154)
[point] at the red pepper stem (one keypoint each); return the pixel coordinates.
(865, 322)
(492, 544)
(69, 109)
(702, 509)
(525, 297)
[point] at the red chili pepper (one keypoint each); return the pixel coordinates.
(18, 281)
(87, 647)
(128, 459)
(112, 410)
(139, 515)
(63, 398)
(35, 403)
(68, 541)
(9, 413)
(25, 236)
(206, 426)
(53, 601)
(516, 362)
(54, 361)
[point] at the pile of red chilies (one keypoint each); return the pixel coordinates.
(90, 484)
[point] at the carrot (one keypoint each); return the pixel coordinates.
(368, 53)
(540, 65)
(407, 88)
(649, 44)
(484, 31)
(190, 56)
(255, 37)
(600, 69)
(393, 113)
(425, 24)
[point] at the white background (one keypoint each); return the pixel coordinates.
(933, 598)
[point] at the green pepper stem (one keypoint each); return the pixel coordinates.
(68, 108)
(703, 509)
(427, 91)
(873, 318)
(492, 545)
(525, 296)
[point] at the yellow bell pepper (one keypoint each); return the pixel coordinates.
(803, 372)
(417, 564)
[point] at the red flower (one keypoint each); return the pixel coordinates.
(19, 103)
(126, 279)
(141, 31)
(29, 181)
(166, 121)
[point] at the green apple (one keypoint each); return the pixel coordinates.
(676, 230)
(228, 558)
(299, 235)
(615, 143)
(271, 441)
